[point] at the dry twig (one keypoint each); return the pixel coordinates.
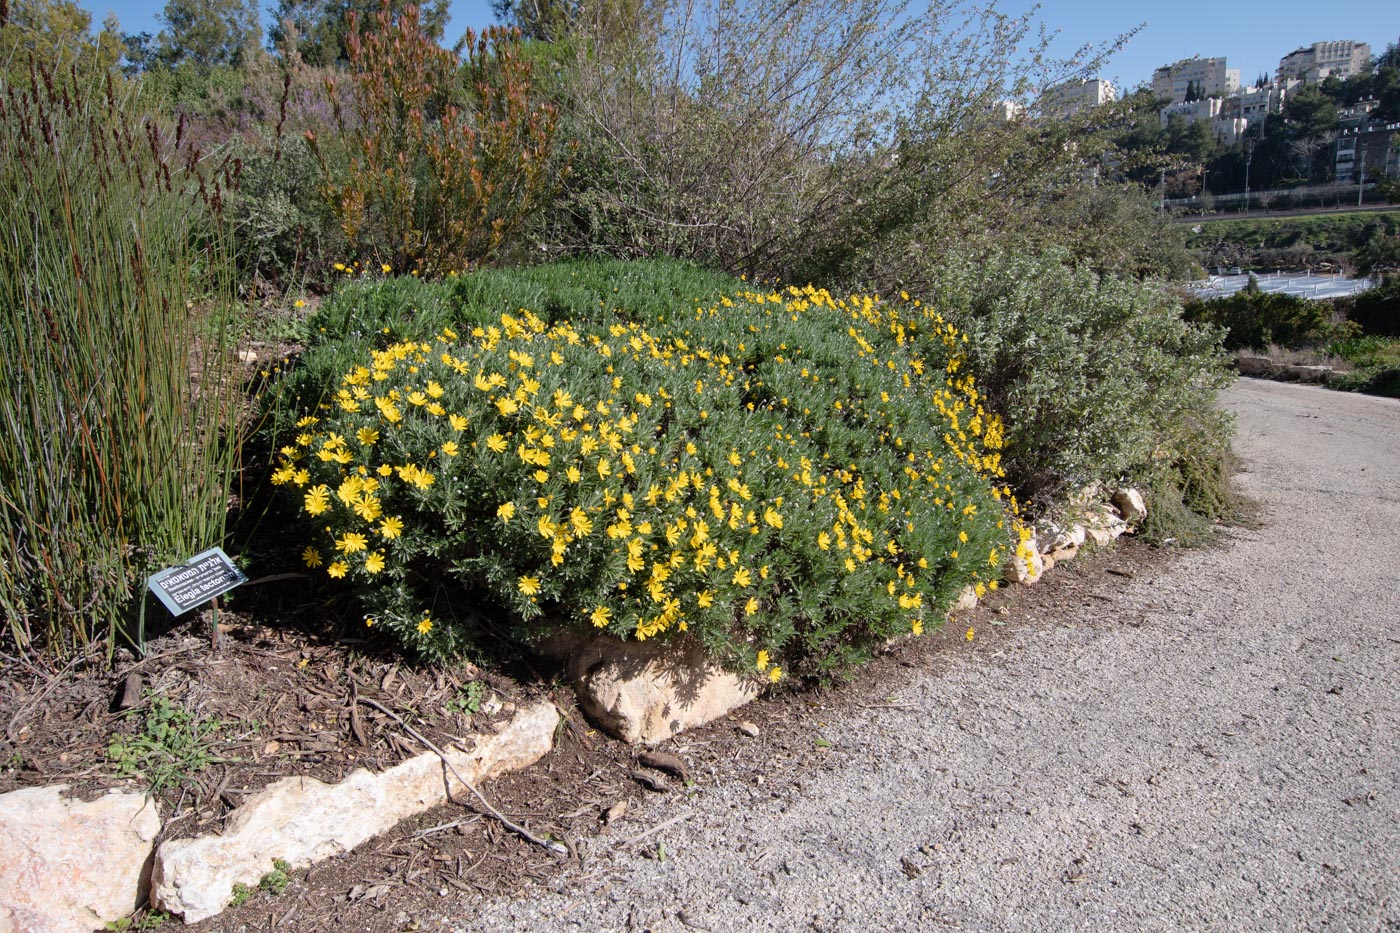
(520, 831)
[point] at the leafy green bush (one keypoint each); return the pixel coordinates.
(284, 230)
(1377, 362)
(788, 478)
(1093, 375)
(1255, 318)
(367, 311)
(1376, 310)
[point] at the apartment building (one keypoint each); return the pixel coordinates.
(1341, 58)
(1365, 146)
(1209, 75)
(1196, 111)
(1071, 97)
(1256, 103)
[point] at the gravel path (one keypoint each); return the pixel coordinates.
(1214, 748)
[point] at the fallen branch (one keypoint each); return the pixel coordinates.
(653, 831)
(520, 831)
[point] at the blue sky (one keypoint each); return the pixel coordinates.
(1253, 35)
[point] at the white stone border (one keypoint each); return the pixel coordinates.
(62, 872)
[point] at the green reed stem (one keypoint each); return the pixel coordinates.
(117, 402)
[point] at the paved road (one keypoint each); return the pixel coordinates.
(1228, 759)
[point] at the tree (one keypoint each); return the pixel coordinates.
(319, 29)
(56, 32)
(207, 33)
(1390, 58)
(1310, 113)
(536, 19)
(1385, 87)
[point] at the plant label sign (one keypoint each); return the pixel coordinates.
(198, 580)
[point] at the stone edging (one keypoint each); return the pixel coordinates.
(75, 866)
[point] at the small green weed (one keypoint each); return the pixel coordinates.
(276, 881)
(149, 920)
(273, 883)
(468, 700)
(172, 745)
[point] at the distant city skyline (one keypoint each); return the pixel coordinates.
(1253, 36)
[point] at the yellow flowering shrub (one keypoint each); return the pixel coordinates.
(789, 477)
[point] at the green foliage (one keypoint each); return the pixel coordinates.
(367, 311)
(241, 894)
(1192, 483)
(57, 34)
(1376, 358)
(115, 287)
(1375, 311)
(468, 699)
(1291, 242)
(276, 881)
(285, 232)
(318, 31)
(1116, 230)
(207, 33)
(1094, 375)
(1255, 318)
(149, 919)
(743, 138)
(171, 746)
(1379, 250)
(417, 179)
(787, 478)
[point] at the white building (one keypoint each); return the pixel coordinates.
(1007, 110)
(1341, 58)
(1196, 111)
(1071, 97)
(1227, 127)
(1256, 103)
(1229, 130)
(1209, 75)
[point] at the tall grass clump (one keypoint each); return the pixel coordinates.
(115, 454)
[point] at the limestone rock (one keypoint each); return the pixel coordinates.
(1065, 544)
(1130, 505)
(1101, 536)
(648, 691)
(1308, 373)
(66, 865)
(1025, 565)
(1060, 555)
(1254, 365)
(303, 820)
(967, 599)
(1072, 537)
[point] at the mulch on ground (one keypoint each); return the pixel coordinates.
(286, 698)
